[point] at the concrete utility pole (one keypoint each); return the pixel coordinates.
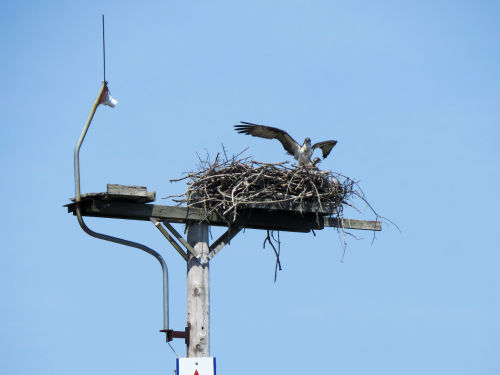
(198, 292)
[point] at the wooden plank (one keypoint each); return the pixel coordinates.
(261, 219)
(118, 209)
(98, 206)
(353, 224)
(302, 207)
(135, 193)
(140, 191)
(135, 211)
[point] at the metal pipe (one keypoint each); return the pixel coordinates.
(137, 246)
(102, 93)
(102, 90)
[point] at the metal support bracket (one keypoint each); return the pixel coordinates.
(181, 239)
(163, 231)
(189, 248)
(217, 246)
(223, 241)
(171, 334)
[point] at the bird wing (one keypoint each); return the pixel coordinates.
(262, 131)
(325, 146)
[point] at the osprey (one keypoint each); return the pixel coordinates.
(301, 153)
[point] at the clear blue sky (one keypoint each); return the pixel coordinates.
(410, 89)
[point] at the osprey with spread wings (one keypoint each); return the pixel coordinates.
(302, 153)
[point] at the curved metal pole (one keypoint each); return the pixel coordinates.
(137, 246)
(102, 93)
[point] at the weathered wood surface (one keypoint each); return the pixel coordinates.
(101, 205)
(302, 207)
(198, 292)
(254, 219)
(138, 194)
(353, 224)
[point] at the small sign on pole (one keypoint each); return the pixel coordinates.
(196, 366)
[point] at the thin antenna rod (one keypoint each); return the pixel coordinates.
(103, 50)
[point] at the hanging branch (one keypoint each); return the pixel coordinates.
(270, 239)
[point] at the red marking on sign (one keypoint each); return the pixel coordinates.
(196, 372)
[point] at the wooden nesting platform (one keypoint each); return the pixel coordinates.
(134, 203)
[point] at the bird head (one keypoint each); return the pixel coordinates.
(307, 141)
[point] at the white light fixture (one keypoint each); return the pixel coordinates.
(109, 100)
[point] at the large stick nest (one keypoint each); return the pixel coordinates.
(228, 185)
